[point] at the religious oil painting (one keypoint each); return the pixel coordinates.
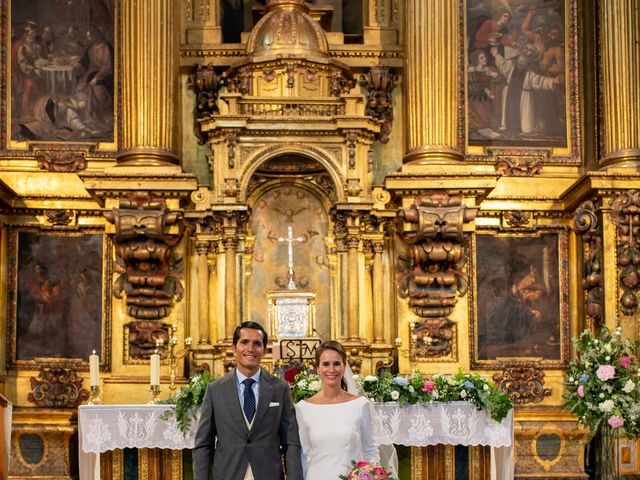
(57, 296)
(521, 299)
(290, 225)
(61, 70)
(516, 78)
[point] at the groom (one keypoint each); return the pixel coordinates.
(247, 419)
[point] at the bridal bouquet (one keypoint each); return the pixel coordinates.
(603, 384)
(367, 471)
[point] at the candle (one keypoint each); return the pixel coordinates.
(94, 369)
(275, 349)
(155, 369)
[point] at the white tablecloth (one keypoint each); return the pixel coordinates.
(107, 427)
(454, 423)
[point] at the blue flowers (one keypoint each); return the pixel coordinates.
(401, 381)
(584, 377)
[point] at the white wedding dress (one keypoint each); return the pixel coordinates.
(332, 435)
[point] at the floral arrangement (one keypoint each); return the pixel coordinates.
(603, 384)
(185, 403)
(417, 388)
(305, 384)
(366, 471)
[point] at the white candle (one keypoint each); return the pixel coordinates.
(275, 348)
(155, 369)
(94, 369)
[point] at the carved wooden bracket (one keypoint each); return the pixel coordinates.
(431, 271)
(206, 84)
(523, 384)
(145, 256)
(143, 336)
(58, 161)
(625, 215)
(57, 387)
(587, 223)
(379, 83)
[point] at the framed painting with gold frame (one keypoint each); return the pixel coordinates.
(58, 296)
(61, 75)
(520, 80)
(520, 310)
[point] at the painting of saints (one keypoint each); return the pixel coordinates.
(518, 297)
(516, 77)
(59, 296)
(62, 74)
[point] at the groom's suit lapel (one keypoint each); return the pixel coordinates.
(230, 391)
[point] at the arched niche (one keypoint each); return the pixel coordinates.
(294, 191)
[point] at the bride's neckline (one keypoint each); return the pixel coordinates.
(333, 403)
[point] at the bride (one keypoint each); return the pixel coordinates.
(335, 426)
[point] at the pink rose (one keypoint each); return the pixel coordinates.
(606, 372)
(581, 391)
(380, 472)
(361, 464)
(429, 386)
(615, 421)
(625, 361)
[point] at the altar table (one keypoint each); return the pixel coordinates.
(107, 427)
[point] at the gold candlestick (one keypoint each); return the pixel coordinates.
(174, 355)
(94, 396)
(155, 394)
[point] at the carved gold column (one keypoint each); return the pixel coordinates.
(202, 251)
(149, 76)
(378, 289)
(620, 20)
(230, 302)
(212, 269)
(353, 294)
(431, 77)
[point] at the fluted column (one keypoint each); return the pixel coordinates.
(353, 300)
(230, 302)
(620, 53)
(149, 77)
(202, 251)
(431, 77)
(378, 289)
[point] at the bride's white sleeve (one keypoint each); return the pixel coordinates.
(369, 447)
(305, 444)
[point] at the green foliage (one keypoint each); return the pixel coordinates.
(185, 403)
(305, 385)
(603, 384)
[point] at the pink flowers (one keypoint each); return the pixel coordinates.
(606, 372)
(581, 391)
(625, 361)
(366, 471)
(616, 421)
(428, 386)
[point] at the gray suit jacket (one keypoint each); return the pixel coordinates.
(225, 446)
